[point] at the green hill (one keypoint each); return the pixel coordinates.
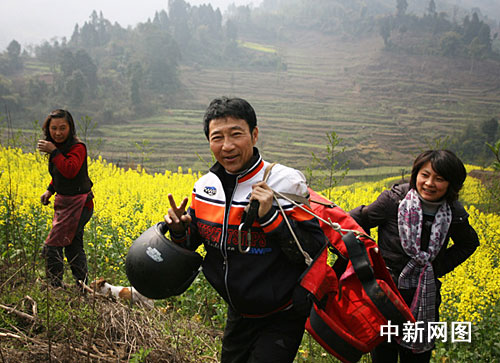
(308, 70)
(385, 106)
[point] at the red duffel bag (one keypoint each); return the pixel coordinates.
(353, 297)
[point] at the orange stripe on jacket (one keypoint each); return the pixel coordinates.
(252, 174)
(209, 212)
(274, 224)
(235, 214)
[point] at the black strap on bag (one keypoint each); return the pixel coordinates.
(364, 271)
(330, 337)
(358, 256)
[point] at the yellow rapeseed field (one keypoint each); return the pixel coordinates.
(127, 202)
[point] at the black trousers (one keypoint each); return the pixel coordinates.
(275, 338)
(75, 254)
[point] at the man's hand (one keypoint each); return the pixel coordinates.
(264, 194)
(46, 146)
(177, 220)
(45, 197)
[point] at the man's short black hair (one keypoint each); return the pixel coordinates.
(446, 164)
(229, 107)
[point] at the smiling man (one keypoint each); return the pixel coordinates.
(267, 309)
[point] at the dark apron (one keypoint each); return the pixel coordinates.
(67, 213)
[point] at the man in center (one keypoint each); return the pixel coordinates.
(267, 308)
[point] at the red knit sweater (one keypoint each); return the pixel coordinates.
(70, 164)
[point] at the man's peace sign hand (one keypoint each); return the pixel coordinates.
(177, 219)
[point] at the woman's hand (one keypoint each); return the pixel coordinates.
(264, 194)
(45, 197)
(177, 220)
(46, 146)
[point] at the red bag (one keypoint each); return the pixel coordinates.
(355, 296)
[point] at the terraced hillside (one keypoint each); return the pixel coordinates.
(386, 106)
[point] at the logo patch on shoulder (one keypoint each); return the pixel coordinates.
(210, 191)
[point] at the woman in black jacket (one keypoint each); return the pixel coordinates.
(415, 222)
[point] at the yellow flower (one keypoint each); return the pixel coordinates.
(127, 202)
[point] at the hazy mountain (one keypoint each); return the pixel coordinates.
(33, 21)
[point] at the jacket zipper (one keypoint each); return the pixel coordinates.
(223, 245)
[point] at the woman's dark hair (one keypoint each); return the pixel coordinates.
(60, 113)
(229, 107)
(446, 164)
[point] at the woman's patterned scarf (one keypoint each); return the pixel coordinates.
(418, 273)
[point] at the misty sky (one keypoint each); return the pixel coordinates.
(32, 21)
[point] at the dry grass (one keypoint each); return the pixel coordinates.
(93, 328)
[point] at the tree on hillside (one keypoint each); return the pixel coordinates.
(484, 36)
(161, 19)
(231, 50)
(86, 65)
(159, 55)
(451, 44)
(9, 99)
(495, 149)
(136, 74)
(205, 15)
(207, 33)
(401, 7)
(86, 79)
(81, 61)
(75, 37)
(472, 143)
(14, 55)
(67, 62)
(476, 50)
(47, 53)
(385, 28)
(471, 27)
(476, 28)
(37, 90)
(490, 129)
(469, 144)
(10, 61)
(332, 165)
(178, 14)
(75, 88)
(431, 9)
(231, 30)
(472, 38)
(93, 33)
(14, 49)
(240, 14)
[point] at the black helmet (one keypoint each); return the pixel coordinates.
(159, 268)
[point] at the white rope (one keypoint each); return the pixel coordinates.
(307, 258)
(335, 226)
